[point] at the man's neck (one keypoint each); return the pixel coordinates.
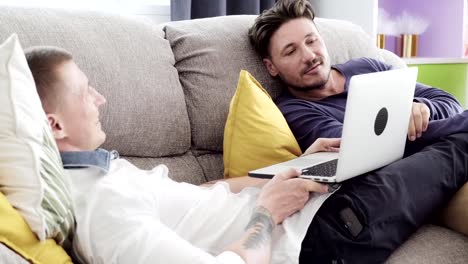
(65, 146)
(334, 85)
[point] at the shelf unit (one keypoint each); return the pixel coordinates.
(448, 74)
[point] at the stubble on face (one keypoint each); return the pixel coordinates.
(310, 65)
(80, 111)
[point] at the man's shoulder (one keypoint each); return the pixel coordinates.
(285, 98)
(361, 66)
(288, 103)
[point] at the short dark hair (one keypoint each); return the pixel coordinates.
(43, 62)
(270, 20)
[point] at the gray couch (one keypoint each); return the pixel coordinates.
(168, 90)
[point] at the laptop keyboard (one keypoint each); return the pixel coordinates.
(326, 169)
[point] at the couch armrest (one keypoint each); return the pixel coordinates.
(392, 59)
(455, 214)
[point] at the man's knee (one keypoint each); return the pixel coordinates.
(460, 138)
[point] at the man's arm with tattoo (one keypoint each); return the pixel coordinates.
(260, 228)
(281, 197)
(255, 245)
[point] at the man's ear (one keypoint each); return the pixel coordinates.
(56, 126)
(270, 67)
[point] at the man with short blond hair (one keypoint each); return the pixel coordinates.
(119, 206)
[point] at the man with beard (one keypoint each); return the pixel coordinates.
(314, 100)
(374, 213)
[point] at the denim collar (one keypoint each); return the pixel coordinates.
(99, 158)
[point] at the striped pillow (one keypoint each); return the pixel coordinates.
(31, 173)
(57, 204)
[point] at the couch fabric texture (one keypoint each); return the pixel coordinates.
(168, 89)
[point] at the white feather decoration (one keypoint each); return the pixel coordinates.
(409, 24)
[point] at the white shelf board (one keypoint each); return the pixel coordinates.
(411, 61)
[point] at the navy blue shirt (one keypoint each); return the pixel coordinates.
(310, 120)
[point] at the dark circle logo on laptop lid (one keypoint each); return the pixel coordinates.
(381, 121)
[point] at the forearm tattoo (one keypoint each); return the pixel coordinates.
(262, 224)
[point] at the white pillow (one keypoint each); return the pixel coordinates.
(31, 173)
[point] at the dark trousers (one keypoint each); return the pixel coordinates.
(390, 203)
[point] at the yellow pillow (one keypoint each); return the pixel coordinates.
(16, 234)
(256, 133)
(455, 214)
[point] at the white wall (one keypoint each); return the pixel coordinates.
(156, 13)
(361, 12)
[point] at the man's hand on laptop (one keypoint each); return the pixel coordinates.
(324, 144)
(285, 194)
(419, 120)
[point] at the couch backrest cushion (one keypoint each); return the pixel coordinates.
(210, 53)
(126, 60)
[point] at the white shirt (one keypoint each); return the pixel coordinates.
(135, 216)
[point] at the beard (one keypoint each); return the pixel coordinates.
(320, 83)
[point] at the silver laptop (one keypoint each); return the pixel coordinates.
(374, 129)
